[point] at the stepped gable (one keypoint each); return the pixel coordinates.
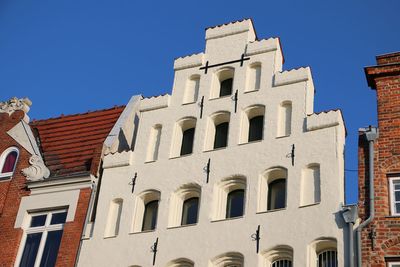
(73, 144)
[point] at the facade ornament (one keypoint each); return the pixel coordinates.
(15, 104)
(38, 171)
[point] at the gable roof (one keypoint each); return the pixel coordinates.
(73, 144)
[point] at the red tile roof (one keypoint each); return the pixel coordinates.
(73, 143)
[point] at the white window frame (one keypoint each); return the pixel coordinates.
(8, 175)
(392, 196)
(45, 229)
(392, 264)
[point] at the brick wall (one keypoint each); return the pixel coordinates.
(381, 239)
(11, 192)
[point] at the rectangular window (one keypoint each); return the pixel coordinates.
(394, 264)
(395, 196)
(42, 238)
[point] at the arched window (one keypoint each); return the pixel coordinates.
(192, 89)
(230, 259)
(252, 128)
(184, 205)
(8, 162)
(223, 83)
(272, 189)
(229, 197)
(181, 262)
(254, 77)
(284, 119)
(154, 143)
(279, 256)
(324, 253)
(234, 205)
(190, 211)
(310, 190)
(183, 137)
(217, 131)
(146, 210)
(150, 216)
(114, 218)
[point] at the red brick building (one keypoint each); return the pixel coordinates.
(380, 238)
(48, 170)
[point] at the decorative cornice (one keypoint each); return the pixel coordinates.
(15, 104)
(38, 171)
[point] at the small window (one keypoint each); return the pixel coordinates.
(181, 262)
(234, 205)
(114, 218)
(324, 251)
(284, 119)
(217, 131)
(154, 143)
(395, 196)
(183, 137)
(150, 216)
(327, 258)
(192, 90)
(282, 263)
(278, 256)
(187, 141)
(310, 185)
(394, 264)
(252, 127)
(277, 194)
(254, 77)
(221, 135)
(230, 259)
(223, 83)
(190, 211)
(42, 238)
(8, 162)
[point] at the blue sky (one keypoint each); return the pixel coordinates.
(73, 56)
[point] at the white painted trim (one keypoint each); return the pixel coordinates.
(393, 197)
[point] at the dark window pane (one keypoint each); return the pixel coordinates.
(397, 207)
(39, 220)
(221, 135)
(150, 216)
(187, 141)
(397, 195)
(58, 218)
(226, 87)
(30, 250)
(190, 210)
(9, 163)
(50, 251)
(277, 194)
(234, 206)
(256, 126)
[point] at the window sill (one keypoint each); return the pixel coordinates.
(270, 211)
(181, 226)
(309, 205)
(215, 149)
(142, 232)
(149, 161)
(227, 219)
(109, 237)
(394, 216)
(188, 103)
(251, 91)
(6, 176)
(221, 97)
(177, 157)
(251, 142)
(283, 136)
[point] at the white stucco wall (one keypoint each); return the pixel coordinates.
(318, 139)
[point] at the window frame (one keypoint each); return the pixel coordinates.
(392, 264)
(3, 157)
(154, 215)
(183, 211)
(392, 196)
(45, 229)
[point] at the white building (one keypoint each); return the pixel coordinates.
(274, 165)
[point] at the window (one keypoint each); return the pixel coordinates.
(272, 189)
(310, 191)
(230, 259)
(277, 194)
(325, 252)
(183, 137)
(284, 119)
(154, 143)
(8, 162)
(114, 218)
(234, 205)
(192, 90)
(229, 198)
(181, 262)
(184, 205)
(150, 216)
(217, 130)
(254, 77)
(252, 128)
(395, 195)
(190, 211)
(146, 211)
(278, 256)
(223, 83)
(42, 237)
(394, 264)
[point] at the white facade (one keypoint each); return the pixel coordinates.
(309, 224)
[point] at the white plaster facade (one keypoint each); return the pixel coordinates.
(306, 226)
